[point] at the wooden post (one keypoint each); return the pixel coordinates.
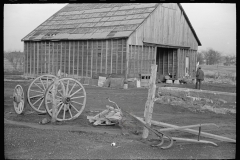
(78, 60)
(37, 58)
(127, 60)
(101, 56)
(141, 70)
(73, 48)
(54, 104)
(92, 60)
(60, 67)
(111, 55)
(87, 61)
(34, 59)
(106, 56)
(122, 58)
(49, 61)
(116, 57)
(178, 54)
(150, 101)
(82, 56)
(30, 57)
(69, 58)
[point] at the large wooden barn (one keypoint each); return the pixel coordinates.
(84, 40)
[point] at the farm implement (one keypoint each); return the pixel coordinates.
(70, 97)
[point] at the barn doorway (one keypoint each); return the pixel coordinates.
(166, 59)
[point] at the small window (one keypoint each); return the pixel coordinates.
(99, 55)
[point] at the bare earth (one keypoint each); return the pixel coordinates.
(78, 139)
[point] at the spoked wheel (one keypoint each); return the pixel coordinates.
(18, 99)
(70, 99)
(36, 91)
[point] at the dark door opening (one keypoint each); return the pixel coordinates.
(166, 59)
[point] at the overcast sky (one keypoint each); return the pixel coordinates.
(214, 23)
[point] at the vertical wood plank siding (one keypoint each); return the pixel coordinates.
(166, 25)
(84, 58)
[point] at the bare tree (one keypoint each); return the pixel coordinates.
(212, 56)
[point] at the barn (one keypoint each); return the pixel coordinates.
(124, 39)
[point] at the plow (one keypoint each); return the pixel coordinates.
(64, 99)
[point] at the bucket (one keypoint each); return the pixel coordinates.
(125, 86)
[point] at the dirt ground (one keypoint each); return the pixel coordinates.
(78, 139)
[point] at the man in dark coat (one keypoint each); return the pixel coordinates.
(199, 77)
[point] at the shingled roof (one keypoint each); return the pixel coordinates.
(95, 21)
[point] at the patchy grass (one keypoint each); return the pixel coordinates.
(225, 74)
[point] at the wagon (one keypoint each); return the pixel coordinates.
(70, 97)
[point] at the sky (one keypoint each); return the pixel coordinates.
(214, 23)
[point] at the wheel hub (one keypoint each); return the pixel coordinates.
(16, 98)
(66, 100)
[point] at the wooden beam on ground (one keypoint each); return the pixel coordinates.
(195, 132)
(150, 101)
(192, 140)
(185, 127)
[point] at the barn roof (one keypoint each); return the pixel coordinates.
(94, 21)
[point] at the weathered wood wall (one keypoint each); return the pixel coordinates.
(166, 26)
(140, 59)
(76, 58)
(182, 54)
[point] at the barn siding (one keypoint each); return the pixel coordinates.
(75, 58)
(166, 25)
(140, 59)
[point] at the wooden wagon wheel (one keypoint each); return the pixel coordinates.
(19, 99)
(36, 91)
(70, 99)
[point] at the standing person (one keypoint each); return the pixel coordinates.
(199, 77)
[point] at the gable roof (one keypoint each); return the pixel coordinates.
(95, 21)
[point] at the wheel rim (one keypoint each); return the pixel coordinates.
(70, 99)
(18, 100)
(36, 91)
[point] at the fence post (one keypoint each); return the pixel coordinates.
(150, 100)
(54, 104)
